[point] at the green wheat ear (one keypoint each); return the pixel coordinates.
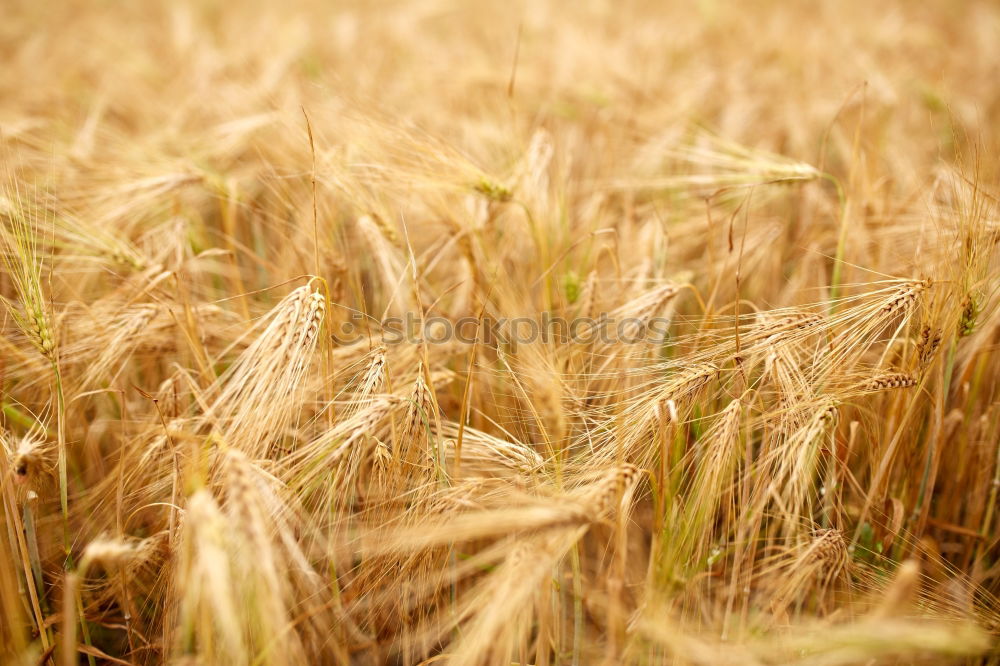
(19, 252)
(493, 190)
(970, 312)
(572, 286)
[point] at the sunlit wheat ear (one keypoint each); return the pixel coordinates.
(711, 164)
(613, 490)
(279, 574)
(330, 463)
(381, 468)
(258, 395)
(457, 514)
(534, 181)
(126, 334)
(631, 319)
(828, 548)
(612, 338)
(888, 380)
(110, 552)
(780, 328)
(712, 470)
(389, 261)
(904, 296)
(687, 380)
(795, 462)
(783, 375)
(467, 511)
(507, 593)
(150, 553)
(862, 325)
(170, 394)
(373, 380)
(207, 588)
(75, 237)
(488, 455)
(413, 450)
(816, 563)
(644, 414)
(256, 524)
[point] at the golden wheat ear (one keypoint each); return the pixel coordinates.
(207, 615)
(502, 608)
(712, 471)
(257, 398)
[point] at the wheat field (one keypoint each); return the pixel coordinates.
(516, 333)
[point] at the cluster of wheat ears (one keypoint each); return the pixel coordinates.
(198, 198)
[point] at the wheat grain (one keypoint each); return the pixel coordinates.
(927, 344)
(889, 380)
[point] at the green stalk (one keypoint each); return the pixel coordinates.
(61, 440)
(932, 443)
